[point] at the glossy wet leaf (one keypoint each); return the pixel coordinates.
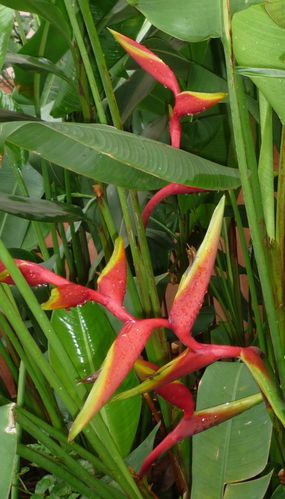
(108, 155)
(8, 445)
(87, 335)
(236, 450)
(39, 209)
(259, 42)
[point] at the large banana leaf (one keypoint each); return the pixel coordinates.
(259, 42)
(112, 156)
(233, 451)
(253, 489)
(87, 335)
(192, 21)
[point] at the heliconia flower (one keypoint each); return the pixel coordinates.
(72, 295)
(148, 61)
(198, 422)
(189, 103)
(186, 363)
(168, 190)
(112, 280)
(175, 393)
(35, 274)
(118, 363)
(194, 282)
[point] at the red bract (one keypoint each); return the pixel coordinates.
(200, 421)
(117, 364)
(168, 190)
(34, 274)
(148, 61)
(194, 282)
(112, 281)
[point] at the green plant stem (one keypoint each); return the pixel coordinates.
(20, 402)
(84, 55)
(251, 190)
(35, 374)
(62, 438)
(248, 267)
(48, 193)
(58, 470)
(62, 455)
(101, 62)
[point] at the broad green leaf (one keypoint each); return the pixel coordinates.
(6, 25)
(37, 64)
(233, 451)
(87, 335)
(44, 8)
(112, 156)
(259, 42)
(39, 209)
(13, 230)
(276, 10)
(254, 489)
(8, 446)
(192, 21)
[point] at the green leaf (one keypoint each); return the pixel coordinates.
(259, 42)
(8, 446)
(87, 335)
(254, 489)
(276, 10)
(137, 457)
(112, 156)
(13, 230)
(233, 451)
(269, 72)
(6, 25)
(44, 8)
(39, 209)
(37, 64)
(279, 492)
(192, 21)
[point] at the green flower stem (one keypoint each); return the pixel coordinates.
(157, 344)
(20, 402)
(251, 284)
(62, 455)
(71, 11)
(74, 235)
(58, 470)
(62, 438)
(66, 250)
(251, 190)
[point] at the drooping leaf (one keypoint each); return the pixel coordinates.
(39, 209)
(236, 450)
(108, 155)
